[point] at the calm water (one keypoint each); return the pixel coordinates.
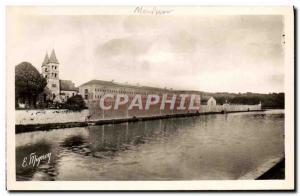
(204, 147)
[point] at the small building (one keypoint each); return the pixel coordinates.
(211, 102)
(67, 90)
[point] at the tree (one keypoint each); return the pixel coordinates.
(75, 103)
(29, 83)
(271, 100)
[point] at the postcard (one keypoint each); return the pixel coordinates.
(150, 98)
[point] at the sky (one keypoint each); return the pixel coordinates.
(207, 53)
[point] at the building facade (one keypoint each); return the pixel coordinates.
(59, 90)
(94, 89)
(211, 102)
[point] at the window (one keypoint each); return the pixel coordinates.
(86, 96)
(53, 85)
(46, 69)
(55, 75)
(86, 91)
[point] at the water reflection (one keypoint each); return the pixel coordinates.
(120, 137)
(28, 167)
(205, 147)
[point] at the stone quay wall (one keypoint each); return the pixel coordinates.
(26, 117)
(32, 117)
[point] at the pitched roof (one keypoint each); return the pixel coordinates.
(99, 82)
(110, 83)
(46, 59)
(67, 85)
(211, 98)
(53, 58)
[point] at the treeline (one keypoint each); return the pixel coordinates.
(271, 100)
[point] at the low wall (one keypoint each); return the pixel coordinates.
(28, 117)
(228, 108)
(25, 117)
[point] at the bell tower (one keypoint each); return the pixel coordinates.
(50, 70)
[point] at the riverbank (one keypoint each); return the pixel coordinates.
(276, 172)
(21, 128)
(271, 169)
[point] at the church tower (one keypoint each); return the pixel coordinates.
(50, 70)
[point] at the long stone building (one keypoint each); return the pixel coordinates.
(94, 89)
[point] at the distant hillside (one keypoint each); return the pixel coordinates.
(271, 100)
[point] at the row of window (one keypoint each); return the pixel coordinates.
(113, 91)
(53, 67)
(121, 91)
(52, 74)
(99, 96)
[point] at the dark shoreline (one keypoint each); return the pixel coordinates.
(49, 126)
(277, 172)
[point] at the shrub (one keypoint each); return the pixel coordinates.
(75, 103)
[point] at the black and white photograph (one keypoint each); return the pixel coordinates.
(150, 98)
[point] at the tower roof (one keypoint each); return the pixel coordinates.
(53, 58)
(46, 59)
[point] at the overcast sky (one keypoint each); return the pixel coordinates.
(213, 53)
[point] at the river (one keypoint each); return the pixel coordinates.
(208, 147)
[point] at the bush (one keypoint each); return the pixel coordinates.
(75, 103)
